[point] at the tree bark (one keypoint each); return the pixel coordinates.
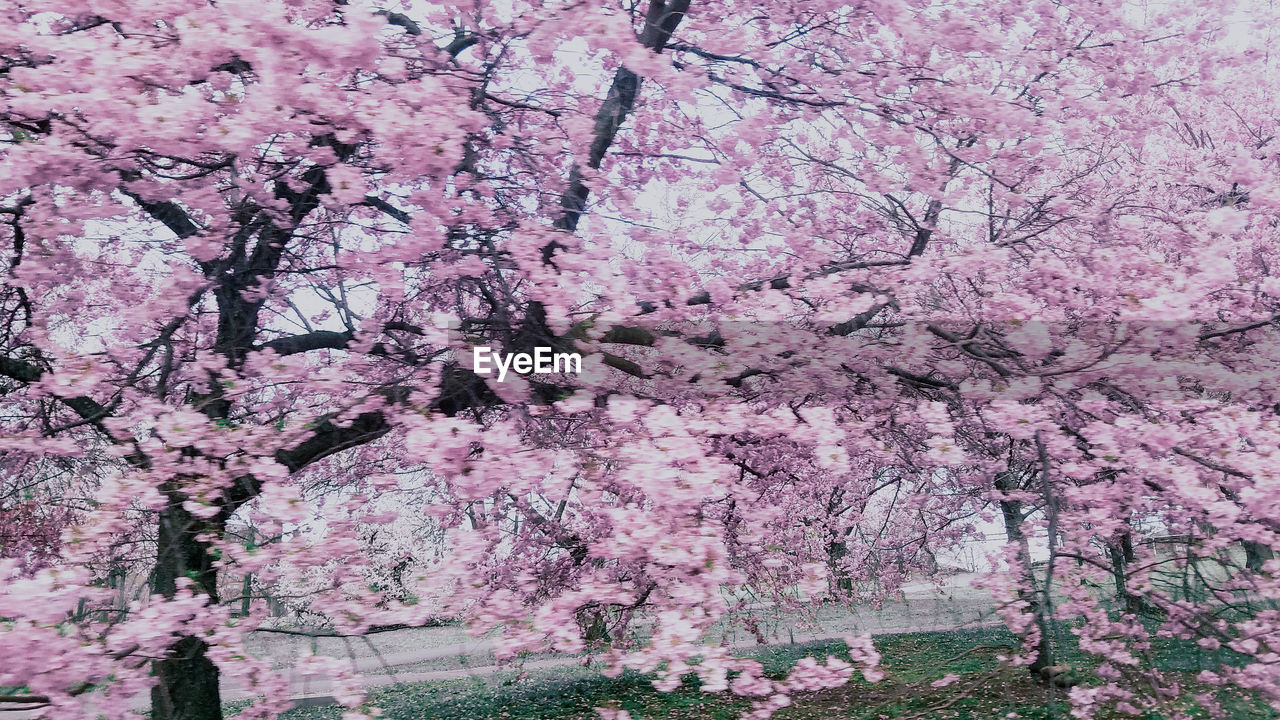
(188, 687)
(1256, 555)
(188, 679)
(1011, 510)
(246, 585)
(1122, 556)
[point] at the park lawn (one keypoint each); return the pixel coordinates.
(985, 690)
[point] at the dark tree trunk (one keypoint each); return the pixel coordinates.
(188, 688)
(188, 679)
(1012, 513)
(1122, 556)
(1256, 555)
(836, 552)
(246, 587)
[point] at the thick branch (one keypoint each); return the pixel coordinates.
(86, 407)
(660, 22)
(329, 438)
(168, 213)
(318, 340)
(26, 699)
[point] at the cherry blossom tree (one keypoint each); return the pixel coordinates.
(844, 278)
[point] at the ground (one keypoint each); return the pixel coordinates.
(986, 689)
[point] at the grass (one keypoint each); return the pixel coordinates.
(986, 690)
